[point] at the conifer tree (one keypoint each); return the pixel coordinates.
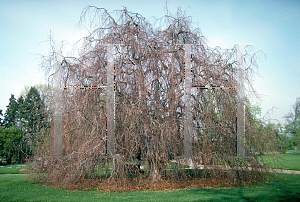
(10, 115)
(1, 120)
(20, 113)
(32, 113)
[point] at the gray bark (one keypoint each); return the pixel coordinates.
(110, 102)
(241, 102)
(58, 103)
(187, 99)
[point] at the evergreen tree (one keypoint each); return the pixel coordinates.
(20, 114)
(10, 115)
(32, 112)
(1, 120)
(24, 119)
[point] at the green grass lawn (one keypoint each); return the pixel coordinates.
(12, 169)
(288, 161)
(281, 187)
(284, 187)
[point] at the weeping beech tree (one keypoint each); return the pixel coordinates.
(149, 65)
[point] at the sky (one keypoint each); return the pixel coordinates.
(272, 27)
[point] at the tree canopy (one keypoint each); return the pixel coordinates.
(149, 75)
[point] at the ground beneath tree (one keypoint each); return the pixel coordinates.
(134, 184)
(138, 183)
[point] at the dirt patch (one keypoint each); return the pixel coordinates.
(23, 170)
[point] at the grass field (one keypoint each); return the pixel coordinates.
(12, 169)
(288, 161)
(278, 187)
(285, 187)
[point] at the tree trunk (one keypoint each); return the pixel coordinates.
(154, 172)
(156, 167)
(8, 160)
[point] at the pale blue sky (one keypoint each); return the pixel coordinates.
(271, 26)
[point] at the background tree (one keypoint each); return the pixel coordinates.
(44, 98)
(10, 116)
(10, 139)
(32, 119)
(25, 122)
(33, 112)
(20, 114)
(292, 126)
(281, 138)
(1, 119)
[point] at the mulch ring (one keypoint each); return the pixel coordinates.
(134, 184)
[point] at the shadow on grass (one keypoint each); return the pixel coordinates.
(294, 153)
(281, 187)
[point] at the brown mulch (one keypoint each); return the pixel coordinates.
(134, 184)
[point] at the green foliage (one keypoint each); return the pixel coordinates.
(33, 111)
(10, 139)
(292, 126)
(267, 136)
(254, 109)
(259, 134)
(1, 120)
(24, 121)
(20, 113)
(281, 138)
(278, 137)
(10, 115)
(33, 119)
